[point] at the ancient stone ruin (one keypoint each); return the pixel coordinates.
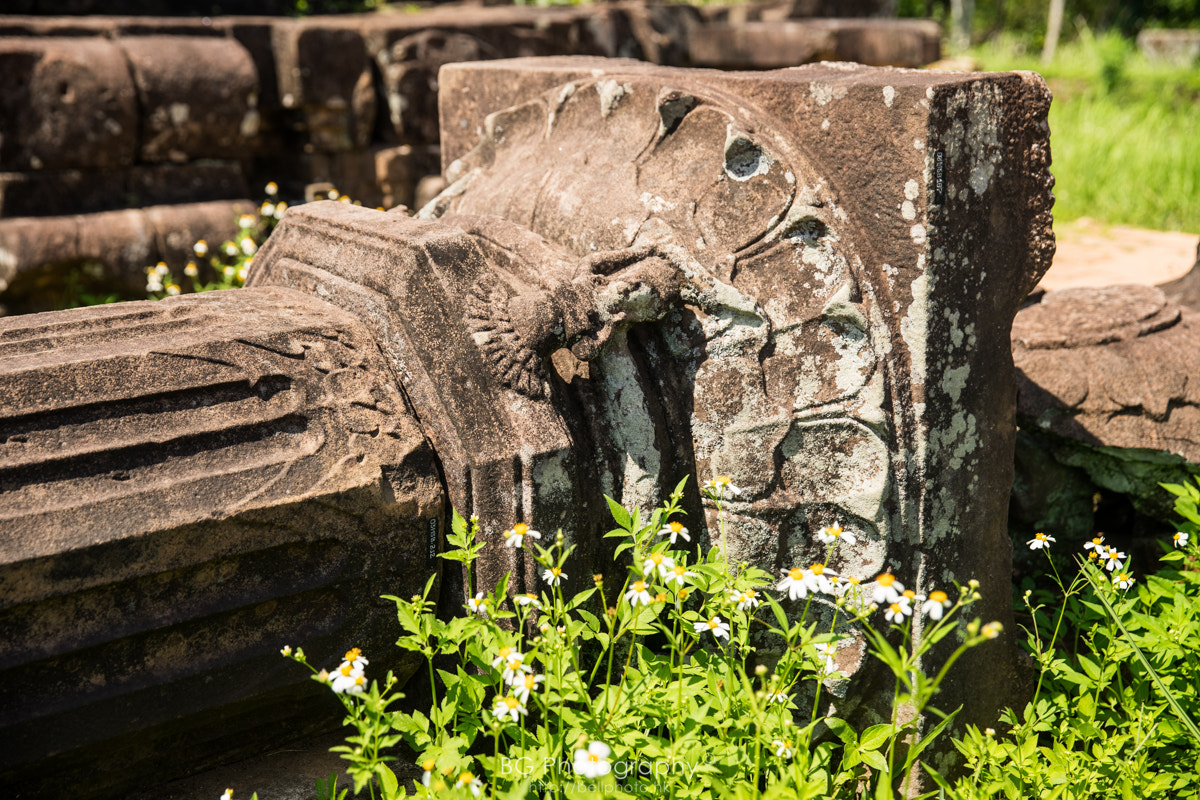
(123, 140)
(802, 279)
(1108, 406)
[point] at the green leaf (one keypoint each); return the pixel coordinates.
(875, 760)
(841, 729)
(387, 780)
(619, 513)
(874, 737)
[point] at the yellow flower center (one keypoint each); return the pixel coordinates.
(713, 624)
(834, 530)
(511, 702)
(656, 558)
(910, 594)
(750, 593)
(795, 573)
(428, 765)
(639, 586)
(723, 480)
(938, 596)
(353, 654)
(818, 569)
(660, 598)
(678, 569)
(853, 581)
(675, 527)
(504, 651)
(896, 609)
(886, 579)
(520, 529)
(466, 778)
(555, 571)
(345, 670)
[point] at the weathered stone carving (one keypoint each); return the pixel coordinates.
(830, 320)
(1108, 390)
(185, 487)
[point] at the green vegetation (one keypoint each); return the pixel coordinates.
(650, 692)
(654, 691)
(1125, 132)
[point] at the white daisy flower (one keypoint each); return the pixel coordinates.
(777, 697)
(593, 762)
(523, 686)
(1112, 558)
(348, 681)
(515, 536)
(508, 707)
(354, 658)
(677, 575)
(468, 781)
(887, 589)
(719, 628)
(720, 487)
(746, 600)
(554, 576)
(896, 612)
(528, 599)
(1039, 541)
(200, 248)
(675, 530)
(1095, 544)
(825, 652)
(1122, 580)
(479, 605)
(638, 594)
(428, 766)
(832, 533)
(1180, 539)
(657, 562)
(937, 603)
(783, 748)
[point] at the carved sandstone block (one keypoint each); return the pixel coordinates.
(186, 486)
(804, 280)
(1108, 385)
(65, 103)
(124, 241)
(198, 96)
(773, 45)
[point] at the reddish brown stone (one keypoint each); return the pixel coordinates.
(46, 193)
(779, 277)
(325, 76)
(65, 103)
(198, 97)
(125, 242)
(185, 487)
(772, 45)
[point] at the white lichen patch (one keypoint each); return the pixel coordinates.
(825, 94)
(632, 429)
(954, 380)
(908, 210)
(911, 189)
(918, 233)
(977, 141)
(825, 125)
(611, 93)
(889, 96)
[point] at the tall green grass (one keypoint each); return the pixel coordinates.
(1125, 132)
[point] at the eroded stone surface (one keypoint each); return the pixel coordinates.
(786, 282)
(186, 486)
(1108, 385)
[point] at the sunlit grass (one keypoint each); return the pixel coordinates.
(1125, 132)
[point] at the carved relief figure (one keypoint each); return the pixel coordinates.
(683, 206)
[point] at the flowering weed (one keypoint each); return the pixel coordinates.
(648, 691)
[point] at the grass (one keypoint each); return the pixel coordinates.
(1125, 132)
